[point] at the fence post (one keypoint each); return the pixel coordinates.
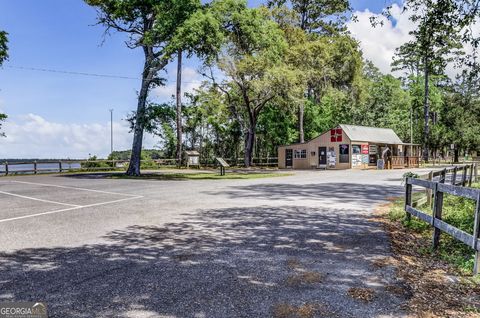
(437, 214)
(464, 176)
(6, 168)
(454, 177)
(476, 172)
(429, 191)
(476, 230)
(443, 176)
(408, 198)
(35, 167)
(471, 175)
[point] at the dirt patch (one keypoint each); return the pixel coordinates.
(304, 279)
(364, 294)
(308, 310)
(383, 262)
(293, 263)
(425, 278)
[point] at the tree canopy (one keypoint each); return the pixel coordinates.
(288, 71)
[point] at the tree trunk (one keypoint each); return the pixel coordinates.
(249, 141)
(300, 123)
(179, 107)
(426, 113)
(134, 165)
(456, 155)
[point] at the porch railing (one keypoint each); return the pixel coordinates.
(405, 162)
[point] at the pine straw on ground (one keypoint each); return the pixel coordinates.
(364, 294)
(435, 288)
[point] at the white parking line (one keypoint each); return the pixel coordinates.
(75, 188)
(68, 209)
(41, 200)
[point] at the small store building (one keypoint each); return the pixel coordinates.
(349, 146)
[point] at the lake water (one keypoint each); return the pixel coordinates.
(47, 167)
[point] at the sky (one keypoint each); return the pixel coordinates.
(58, 115)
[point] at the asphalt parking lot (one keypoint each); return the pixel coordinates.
(96, 247)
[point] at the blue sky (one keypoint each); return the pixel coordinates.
(62, 35)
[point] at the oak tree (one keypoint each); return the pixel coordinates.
(150, 26)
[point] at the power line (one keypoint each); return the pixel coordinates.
(38, 69)
(70, 72)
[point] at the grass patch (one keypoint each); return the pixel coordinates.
(458, 212)
(201, 176)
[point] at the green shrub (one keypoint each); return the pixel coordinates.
(148, 164)
(94, 164)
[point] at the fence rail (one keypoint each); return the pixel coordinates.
(457, 175)
(59, 166)
(438, 188)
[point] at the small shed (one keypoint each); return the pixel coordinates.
(350, 146)
(193, 158)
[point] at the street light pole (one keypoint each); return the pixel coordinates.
(111, 132)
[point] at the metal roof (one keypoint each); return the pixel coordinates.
(371, 134)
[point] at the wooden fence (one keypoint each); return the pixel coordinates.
(49, 166)
(456, 188)
(457, 175)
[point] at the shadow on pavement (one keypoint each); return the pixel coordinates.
(337, 192)
(235, 262)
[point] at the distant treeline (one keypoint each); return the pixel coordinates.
(147, 154)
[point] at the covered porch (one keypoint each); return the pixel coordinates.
(405, 155)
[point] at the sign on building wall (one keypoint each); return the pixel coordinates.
(356, 160)
(372, 149)
(365, 149)
(365, 159)
(336, 135)
(331, 157)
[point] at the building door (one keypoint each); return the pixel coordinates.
(288, 158)
(322, 155)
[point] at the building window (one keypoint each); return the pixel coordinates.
(344, 153)
(300, 154)
(356, 149)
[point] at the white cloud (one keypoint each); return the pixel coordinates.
(378, 44)
(32, 136)
(191, 80)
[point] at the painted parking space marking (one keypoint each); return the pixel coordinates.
(69, 209)
(36, 199)
(74, 188)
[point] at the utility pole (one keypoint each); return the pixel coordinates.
(411, 130)
(111, 132)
